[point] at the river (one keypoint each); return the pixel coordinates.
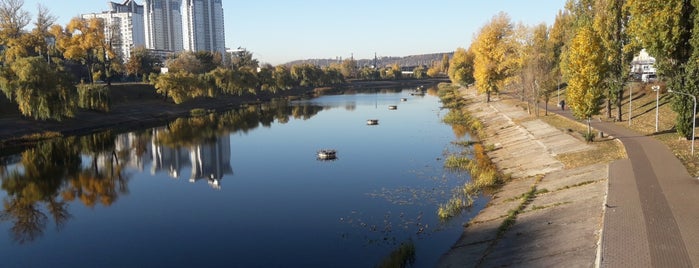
(242, 189)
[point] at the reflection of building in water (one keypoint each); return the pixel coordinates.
(210, 160)
(170, 159)
(130, 149)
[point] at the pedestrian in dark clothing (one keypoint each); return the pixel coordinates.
(563, 104)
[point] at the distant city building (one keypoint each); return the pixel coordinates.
(202, 25)
(123, 26)
(163, 24)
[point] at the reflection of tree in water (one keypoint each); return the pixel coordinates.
(185, 132)
(402, 256)
(103, 180)
(52, 174)
(45, 168)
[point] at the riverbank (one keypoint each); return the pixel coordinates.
(551, 212)
(137, 105)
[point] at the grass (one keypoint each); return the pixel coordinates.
(605, 149)
(643, 121)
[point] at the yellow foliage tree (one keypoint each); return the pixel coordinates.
(493, 50)
(84, 41)
(461, 67)
(586, 68)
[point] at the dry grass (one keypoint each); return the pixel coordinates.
(643, 121)
(605, 149)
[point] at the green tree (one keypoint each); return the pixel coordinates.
(586, 72)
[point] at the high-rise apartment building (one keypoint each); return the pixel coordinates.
(202, 25)
(163, 24)
(123, 26)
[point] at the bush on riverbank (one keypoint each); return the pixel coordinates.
(484, 173)
(94, 97)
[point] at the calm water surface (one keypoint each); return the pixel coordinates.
(242, 189)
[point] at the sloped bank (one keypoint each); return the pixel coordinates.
(546, 214)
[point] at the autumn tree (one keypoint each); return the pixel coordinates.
(586, 72)
(41, 91)
(419, 72)
(494, 60)
(461, 67)
(185, 62)
(349, 68)
(445, 63)
(369, 73)
(141, 62)
(84, 41)
(537, 65)
(12, 20)
(180, 86)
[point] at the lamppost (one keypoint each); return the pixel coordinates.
(630, 99)
(694, 119)
(657, 98)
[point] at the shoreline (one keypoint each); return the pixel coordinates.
(549, 214)
(137, 105)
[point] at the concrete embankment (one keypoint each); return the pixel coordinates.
(547, 215)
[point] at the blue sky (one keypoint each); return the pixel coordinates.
(278, 31)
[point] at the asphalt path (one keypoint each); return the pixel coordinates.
(651, 214)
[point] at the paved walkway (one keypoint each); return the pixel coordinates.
(652, 207)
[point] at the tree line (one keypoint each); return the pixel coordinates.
(589, 49)
(51, 71)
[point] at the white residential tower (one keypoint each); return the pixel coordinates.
(123, 26)
(202, 25)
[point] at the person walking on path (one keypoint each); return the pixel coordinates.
(562, 104)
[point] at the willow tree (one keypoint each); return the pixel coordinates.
(41, 91)
(493, 50)
(667, 30)
(586, 68)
